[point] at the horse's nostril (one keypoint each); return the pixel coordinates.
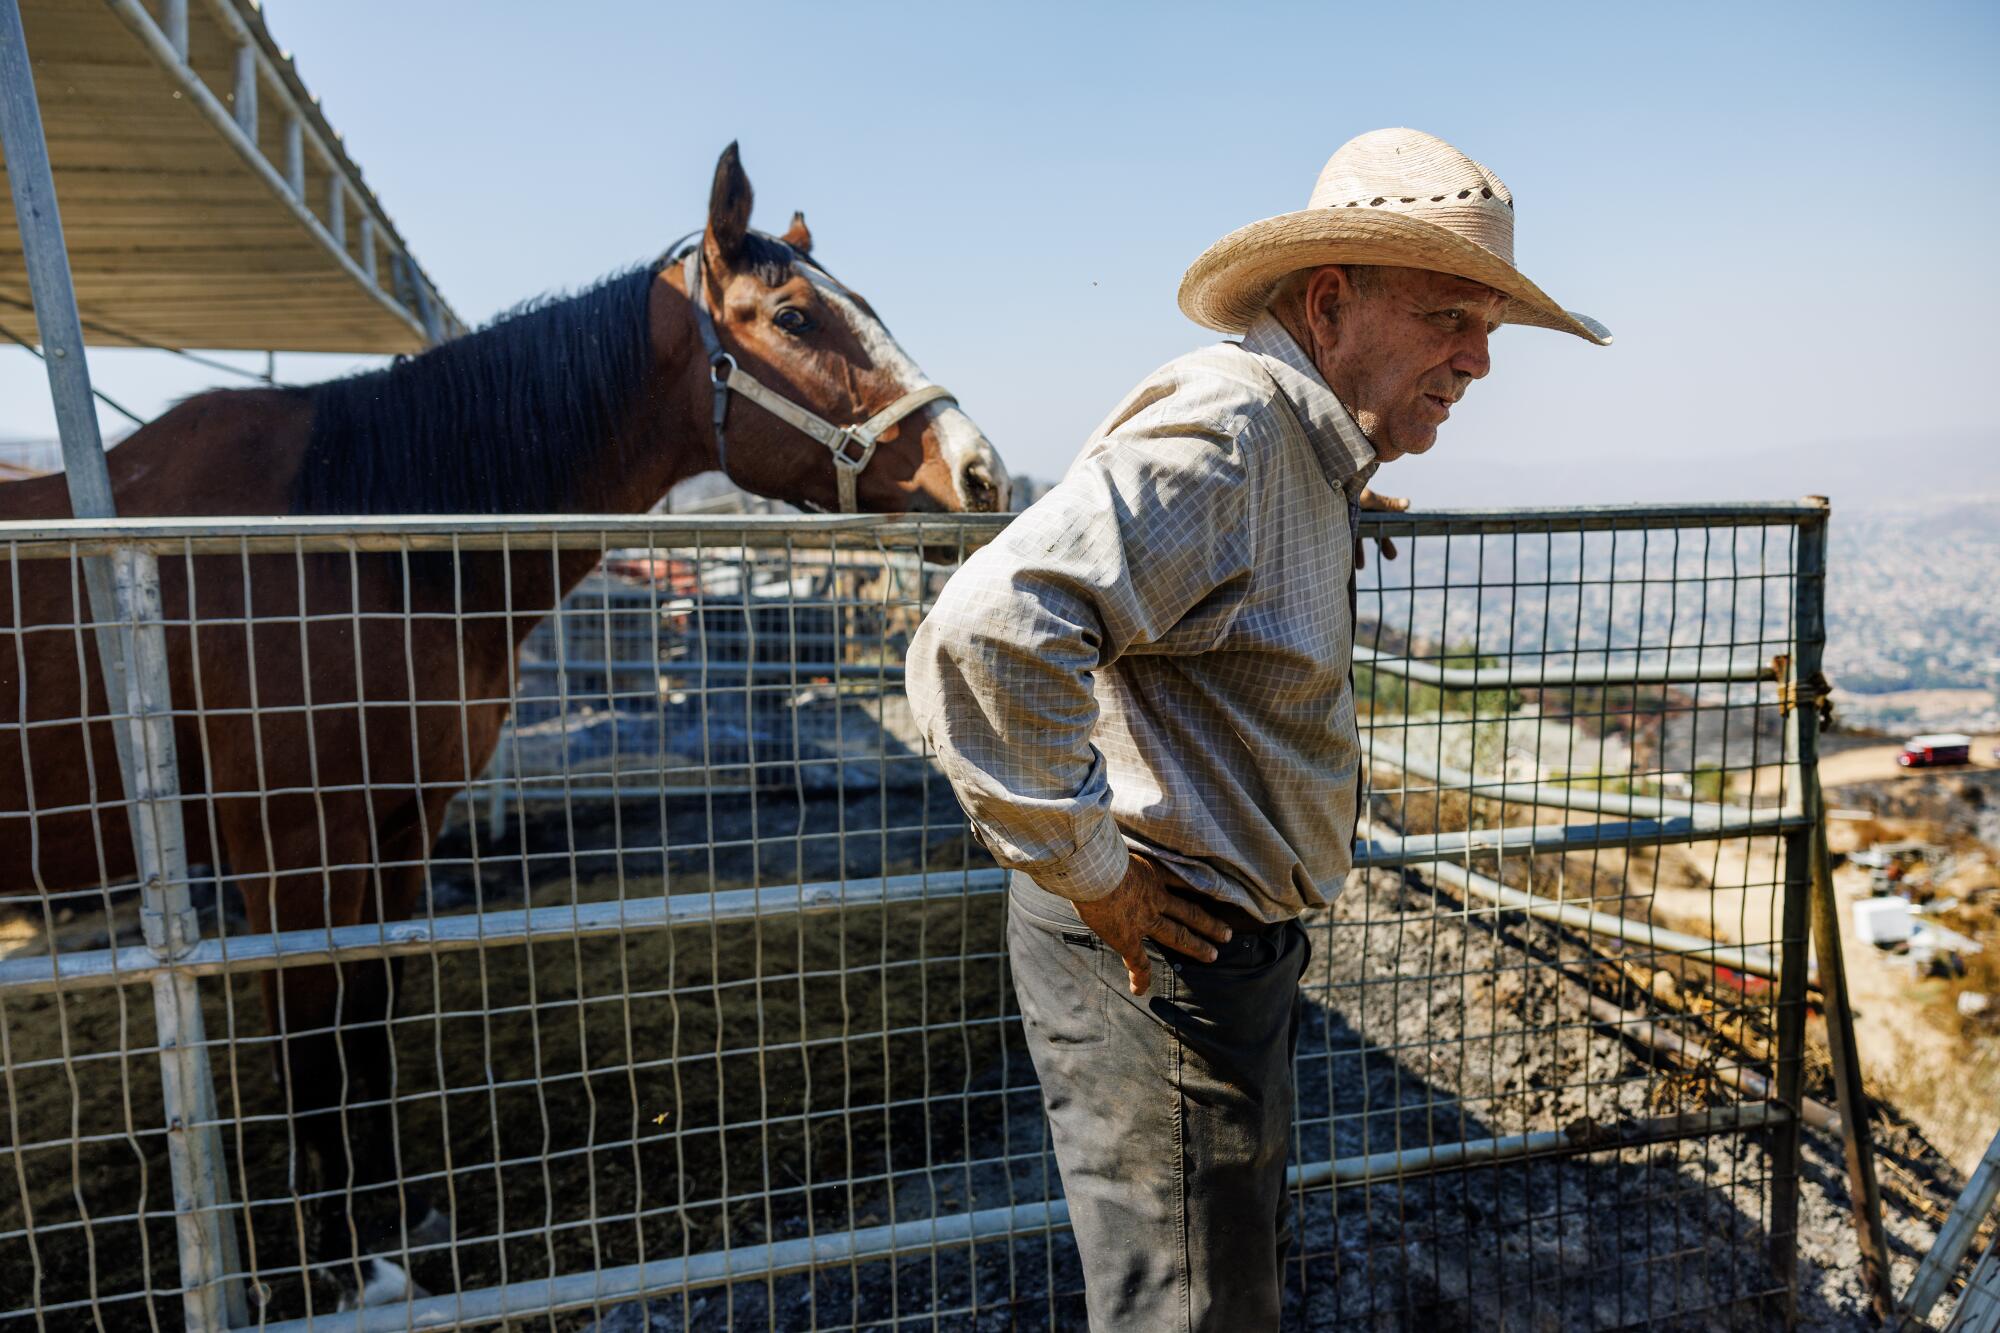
(980, 491)
(977, 487)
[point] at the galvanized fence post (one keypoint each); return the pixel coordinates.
(1801, 748)
(1802, 695)
(124, 591)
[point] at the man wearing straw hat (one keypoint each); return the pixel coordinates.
(1141, 695)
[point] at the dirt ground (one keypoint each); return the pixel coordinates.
(593, 1103)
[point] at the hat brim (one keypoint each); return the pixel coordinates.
(1227, 288)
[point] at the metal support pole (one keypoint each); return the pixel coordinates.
(336, 206)
(1865, 1196)
(295, 156)
(174, 20)
(426, 308)
(1793, 946)
(1802, 720)
(246, 90)
(1795, 913)
(124, 592)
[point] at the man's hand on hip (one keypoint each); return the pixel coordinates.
(1141, 908)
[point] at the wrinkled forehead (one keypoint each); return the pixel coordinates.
(1450, 287)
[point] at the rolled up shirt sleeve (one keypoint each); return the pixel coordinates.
(1144, 547)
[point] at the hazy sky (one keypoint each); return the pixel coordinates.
(1786, 214)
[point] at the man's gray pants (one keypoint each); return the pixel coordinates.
(1171, 1114)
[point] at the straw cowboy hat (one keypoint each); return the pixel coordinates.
(1397, 197)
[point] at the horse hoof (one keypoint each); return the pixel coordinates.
(383, 1283)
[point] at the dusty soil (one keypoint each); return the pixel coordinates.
(592, 1103)
(1429, 1023)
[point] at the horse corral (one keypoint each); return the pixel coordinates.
(447, 917)
(356, 729)
(703, 995)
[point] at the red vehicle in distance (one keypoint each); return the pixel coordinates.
(1936, 751)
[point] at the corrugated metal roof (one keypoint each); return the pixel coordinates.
(205, 200)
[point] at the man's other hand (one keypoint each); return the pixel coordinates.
(1139, 909)
(1387, 504)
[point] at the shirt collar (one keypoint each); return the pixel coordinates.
(1344, 453)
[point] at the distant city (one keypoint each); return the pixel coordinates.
(1913, 604)
(1913, 615)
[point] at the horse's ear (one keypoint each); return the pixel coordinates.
(797, 236)
(728, 206)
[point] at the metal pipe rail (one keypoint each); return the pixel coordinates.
(1455, 678)
(1701, 815)
(803, 673)
(1586, 518)
(1657, 939)
(1486, 678)
(214, 956)
(474, 532)
(1553, 839)
(995, 1225)
(522, 534)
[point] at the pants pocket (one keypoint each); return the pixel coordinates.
(1240, 1013)
(1057, 979)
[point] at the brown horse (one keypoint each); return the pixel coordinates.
(319, 755)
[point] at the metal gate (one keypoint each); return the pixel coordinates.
(702, 992)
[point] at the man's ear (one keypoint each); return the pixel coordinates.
(1327, 288)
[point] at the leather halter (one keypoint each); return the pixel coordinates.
(851, 446)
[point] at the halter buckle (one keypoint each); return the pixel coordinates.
(849, 436)
(720, 367)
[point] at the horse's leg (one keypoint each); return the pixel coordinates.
(406, 834)
(392, 1218)
(368, 1039)
(335, 1087)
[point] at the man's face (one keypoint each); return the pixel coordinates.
(1402, 349)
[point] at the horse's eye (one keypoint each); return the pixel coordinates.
(792, 320)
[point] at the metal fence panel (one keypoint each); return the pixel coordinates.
(699, 982)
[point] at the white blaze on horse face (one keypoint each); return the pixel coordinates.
(961, 442)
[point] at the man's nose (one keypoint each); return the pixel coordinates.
(1472, 360)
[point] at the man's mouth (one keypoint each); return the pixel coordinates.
(1439, 401)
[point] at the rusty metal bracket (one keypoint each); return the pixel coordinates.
(1814, 692)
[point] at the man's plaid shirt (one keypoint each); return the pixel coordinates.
(1156, 654)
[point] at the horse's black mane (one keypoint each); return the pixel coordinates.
(495, 422)
(499, 421)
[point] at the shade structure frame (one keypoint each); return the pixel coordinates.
(208, 202)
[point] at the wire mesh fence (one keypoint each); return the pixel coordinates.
(577, 919)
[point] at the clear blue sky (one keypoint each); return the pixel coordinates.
(1786, 213)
